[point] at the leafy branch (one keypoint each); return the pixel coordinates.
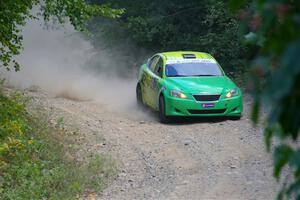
(274, 27)
(14, 13)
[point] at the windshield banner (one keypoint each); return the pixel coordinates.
(180, 61)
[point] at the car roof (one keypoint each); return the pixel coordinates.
(179, 54)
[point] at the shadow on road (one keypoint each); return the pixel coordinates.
(196, 120)
(185, 120)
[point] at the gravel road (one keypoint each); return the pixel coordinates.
(189, 159)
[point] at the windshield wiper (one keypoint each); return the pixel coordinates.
(178, 76)
(192, 75)
(204, 75)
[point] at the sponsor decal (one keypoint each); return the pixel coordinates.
(208, 105)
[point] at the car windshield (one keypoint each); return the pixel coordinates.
(193, 69)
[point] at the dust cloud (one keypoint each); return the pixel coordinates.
(55, 60)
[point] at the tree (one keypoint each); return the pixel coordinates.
(156, 26)
(14, 13)
(275, 27)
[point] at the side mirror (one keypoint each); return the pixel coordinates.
(160, 72)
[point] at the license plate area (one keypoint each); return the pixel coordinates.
(208, 105)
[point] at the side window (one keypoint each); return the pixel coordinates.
(152, 63)
(159, 68)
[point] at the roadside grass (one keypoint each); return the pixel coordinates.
(33, 161)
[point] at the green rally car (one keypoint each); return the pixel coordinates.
(187, 84)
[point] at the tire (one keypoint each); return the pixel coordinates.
(235, 118)
(162, 111)
(139, 95)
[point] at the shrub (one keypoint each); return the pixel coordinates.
(33, 164)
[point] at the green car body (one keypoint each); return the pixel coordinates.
(187, 95)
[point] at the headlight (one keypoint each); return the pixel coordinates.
(178, 94)
(232, 93)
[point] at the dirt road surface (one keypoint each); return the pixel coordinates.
(191, 159)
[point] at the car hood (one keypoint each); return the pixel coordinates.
(198, 85)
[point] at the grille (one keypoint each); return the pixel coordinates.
(215, 111)
(214, 97)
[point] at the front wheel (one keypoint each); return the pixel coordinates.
(139, 95)
(162, 111)
(235, 118)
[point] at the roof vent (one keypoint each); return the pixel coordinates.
(189, 56)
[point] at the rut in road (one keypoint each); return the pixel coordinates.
(190, 159)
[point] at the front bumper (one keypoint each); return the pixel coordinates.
(189, 107)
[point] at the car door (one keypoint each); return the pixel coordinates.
(156, 78)
(148, 79)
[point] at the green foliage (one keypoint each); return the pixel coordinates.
(275, 27)
(14, 13)
(33, 164)
(170, 25)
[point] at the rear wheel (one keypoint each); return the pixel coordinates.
(139, 95)
(162, 111)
